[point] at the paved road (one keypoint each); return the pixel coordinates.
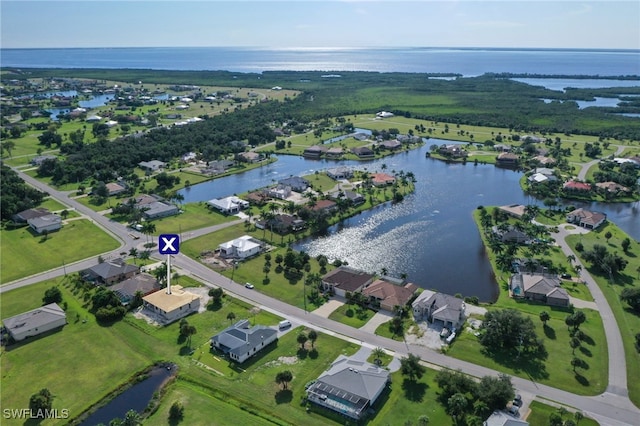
(610, 408)
(582, 174)
(617, 361)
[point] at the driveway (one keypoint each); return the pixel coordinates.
(380, 317)
(325, 310)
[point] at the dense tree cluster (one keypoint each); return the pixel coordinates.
(509, 330)
(631, 295)
(605, 261)
(107, 306)
(15, 195)
(464, 397)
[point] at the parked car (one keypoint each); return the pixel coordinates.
(444, 333)
(249, 285)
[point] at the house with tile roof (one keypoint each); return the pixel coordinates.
(586, 218)
(389, 295)
(35, 322)
(241, 341)
(344, 279)
(349, 387)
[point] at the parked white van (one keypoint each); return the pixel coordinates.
(284, 324)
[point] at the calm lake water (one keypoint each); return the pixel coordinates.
(430, 236)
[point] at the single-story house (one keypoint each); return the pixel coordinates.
(542, 288)
(339, 173)
(228, 205)
(36, 321)
(115, 188)
(384, 114)
(324, 205)
(439, 308)
(514, 210)
(612, 187)
(511, 235)
(257, 197)
(48, 223)
(349, 387)
(282, 224)
(241, 341)
(501, 418)
(296, 183)
(392, 145)
(539, 178)
(586, 218)
(388, 294)
(544, 160)
(127, 289)
(507, 159)
(452, 150)
(573, 185)
(344, 279)
(171, 307)
(334, 152)
(152, 165)
(352, 197)
(159, 209)
(240, 248)
(363, 152)
(216, 167)
(314, 151)
(502, 147)
(250, 156)
(382, 179)
(25, 215)
(110, 272)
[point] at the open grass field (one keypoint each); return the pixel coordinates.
(25, 253)
(195, 216)
(556, 370)
(628, 321)
(540, 413)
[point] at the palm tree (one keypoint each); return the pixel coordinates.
(544, 317)
(313, 336)
(148, 228)
(231, 316)
(377, 353)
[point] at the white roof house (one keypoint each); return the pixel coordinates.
(242, 248)
(228, 205)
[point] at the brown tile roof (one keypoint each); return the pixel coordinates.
(390, 294)
(347, 279)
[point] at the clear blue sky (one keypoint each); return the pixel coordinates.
(304, 23)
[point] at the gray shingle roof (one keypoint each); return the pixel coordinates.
(35, 318)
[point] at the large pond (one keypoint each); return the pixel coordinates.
(431, 235)
(136, 398)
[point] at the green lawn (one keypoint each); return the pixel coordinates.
(84, 361)
(352, 315)
(540, 412)
(25, 254)
(195, 216)
(628, 322)
(556, 370)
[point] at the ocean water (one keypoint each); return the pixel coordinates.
(468, 62)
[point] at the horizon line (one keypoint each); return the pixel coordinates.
(334, 48)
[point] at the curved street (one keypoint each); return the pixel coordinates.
(610, 408)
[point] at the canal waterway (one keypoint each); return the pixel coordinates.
(137, 397)
(431, 235)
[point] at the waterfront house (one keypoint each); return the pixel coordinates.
(344, 279)
(514, 210)
(511, 235)
(228, 205)
(439, 308)
(324, 205)
(507, 160)
(313, 151)
(363, 152)
(337, 173)
(539, 287)
(241, 341)
(349, 387)
(296, 183)
(575, 186)
(388, 295)
(586, 218)
(282, 224)
(35, 322)
(392, 145)
(334, 152)
(382, 179)
(612, 187)
(250, 156)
